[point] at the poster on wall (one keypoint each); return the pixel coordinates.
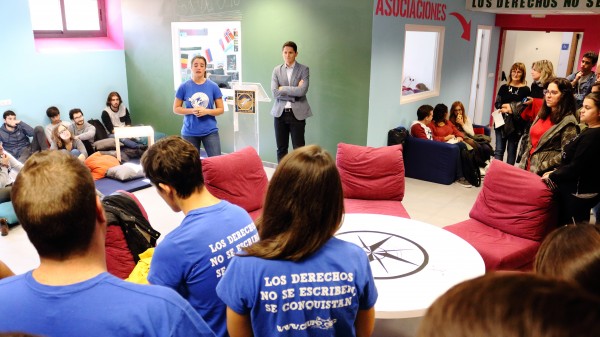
(218, 42)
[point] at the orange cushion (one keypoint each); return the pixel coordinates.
(100, 163)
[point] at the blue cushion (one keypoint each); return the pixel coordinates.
(7, 211)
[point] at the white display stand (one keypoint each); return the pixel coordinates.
(245, 125)
(132, 131)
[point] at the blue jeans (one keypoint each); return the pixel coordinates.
(509, 144)
(211, 142)
(75, 153)
(127, 142)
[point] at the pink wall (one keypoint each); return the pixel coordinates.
(588, 24)
(113, 41)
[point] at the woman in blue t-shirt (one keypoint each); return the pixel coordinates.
(299, 279)
(199, 100)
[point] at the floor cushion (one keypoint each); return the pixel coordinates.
(515, 201)
(371, 173)
(7, 211)
(99, 163)
(237, 177)
(385, 207)
(499, 250)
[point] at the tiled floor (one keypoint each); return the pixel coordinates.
(436, 204)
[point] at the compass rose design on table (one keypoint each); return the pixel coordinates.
(391, 256)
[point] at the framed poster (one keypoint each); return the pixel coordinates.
(219, 42)
(245, 101)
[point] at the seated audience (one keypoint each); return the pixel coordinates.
(572, 253)
(303, 209)
(444, 131)
(596, 86)
(419, 127)
(54, 115)
(15, 134)
(82, 130)
(116, 114)
(512, 305)
(62, 139)
(554, 126)
(9, 168)
(480, 143)
(5, 271)
(193, 257)
(70, 293)
(576, 180)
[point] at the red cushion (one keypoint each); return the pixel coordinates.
(515, 201)
(479, 131)
(385, 207)
(371, 173)
(119, 260)
(500, 251)
(238, 177)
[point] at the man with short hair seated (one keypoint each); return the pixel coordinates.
(82, 130)
(419, 127)
(70, 293)
(14, 134)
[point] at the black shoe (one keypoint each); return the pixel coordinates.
(3, 226)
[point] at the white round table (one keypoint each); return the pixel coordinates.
(413, 262)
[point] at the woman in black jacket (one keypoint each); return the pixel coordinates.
(576, 179)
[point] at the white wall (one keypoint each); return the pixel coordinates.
(530, 46)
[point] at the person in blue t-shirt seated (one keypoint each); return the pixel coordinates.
(299, 280)
(70, 293)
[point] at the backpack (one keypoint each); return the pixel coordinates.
(123, 211)
(101, 132)
(397, 136)
(470, 167)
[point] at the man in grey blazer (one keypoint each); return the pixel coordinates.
(289, 85)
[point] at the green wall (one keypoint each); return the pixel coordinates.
(337, 48)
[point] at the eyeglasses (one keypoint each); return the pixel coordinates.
(551, 92)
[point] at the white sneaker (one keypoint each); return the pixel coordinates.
(463, 182)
